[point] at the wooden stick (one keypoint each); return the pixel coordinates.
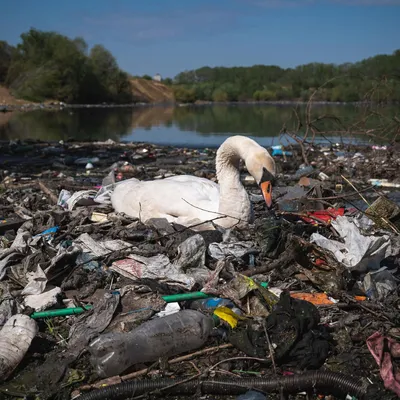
(48, 192)
(118, 379)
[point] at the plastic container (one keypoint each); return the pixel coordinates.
(212, 304)
(113, 353)
(15, 338)
(278, 151)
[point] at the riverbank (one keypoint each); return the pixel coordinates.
(62, 106)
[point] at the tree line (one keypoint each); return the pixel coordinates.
(373, 79)
(48, 65)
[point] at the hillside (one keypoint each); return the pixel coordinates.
(7, 98)
(142, 91)
(151, 91)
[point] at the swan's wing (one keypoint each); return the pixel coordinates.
(174, 198)
(201, 188)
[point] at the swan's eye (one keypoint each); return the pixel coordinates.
(266, 176)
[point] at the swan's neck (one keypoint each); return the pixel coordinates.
(234, 200)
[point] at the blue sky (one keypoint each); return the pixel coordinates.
(169, 36)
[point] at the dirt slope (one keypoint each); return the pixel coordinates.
(7, 98)
(151, 91)
(142, 90)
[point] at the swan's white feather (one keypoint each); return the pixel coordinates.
(168, 198)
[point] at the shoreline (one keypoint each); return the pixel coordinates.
(59, 106)
(133, 145)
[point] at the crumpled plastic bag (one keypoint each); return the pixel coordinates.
(92, 322)
(43, 301)
(17, 250)
(157, 268)
(8, 305)
(379, 284)
(383, 349)
(191, 259)
(82, 197)
(100, 248)
(37, 281)
(358, 252)
(220, 251)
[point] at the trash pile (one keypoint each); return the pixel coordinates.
(303, 304)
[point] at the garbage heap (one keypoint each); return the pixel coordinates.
(96, 305)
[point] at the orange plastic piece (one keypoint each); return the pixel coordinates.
(315, 298)
(319, 299)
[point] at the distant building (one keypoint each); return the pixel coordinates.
(157, 77)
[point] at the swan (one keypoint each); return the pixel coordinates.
(190, 200)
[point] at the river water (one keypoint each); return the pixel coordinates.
(190, 126)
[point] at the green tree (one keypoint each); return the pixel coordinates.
(5, 59)
(47, 65)
(184, 95)
(220, 95)
(268, 82)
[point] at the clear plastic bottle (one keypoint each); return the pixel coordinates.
(15, 339)
(187, 330)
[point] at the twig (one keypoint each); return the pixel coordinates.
(47, 191)
(369, 205)
(385, 220)
(214, 212)
(207, 371)
(285, 258)
(378, 315)
(119, 379)
(344, 195)
(225, 372)
(271, 350)
(237, 358)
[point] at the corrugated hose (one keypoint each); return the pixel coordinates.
(320, 381)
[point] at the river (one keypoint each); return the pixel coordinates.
(190, 126)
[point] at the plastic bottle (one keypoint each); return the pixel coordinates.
(113, 353)
(251, 395)
(15, 339)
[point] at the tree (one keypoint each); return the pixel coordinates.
(269, 82)
(47, 65)
(5, 59)
(220, 95)
(184, 95)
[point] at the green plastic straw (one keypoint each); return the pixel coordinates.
(79, 310)
(60, 312)
(193, 296)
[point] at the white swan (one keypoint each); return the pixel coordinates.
(189, 200)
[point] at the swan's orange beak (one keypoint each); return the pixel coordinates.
(266, 189)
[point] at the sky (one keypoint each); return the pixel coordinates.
(170, 36)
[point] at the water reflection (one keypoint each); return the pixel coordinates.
(192, 125)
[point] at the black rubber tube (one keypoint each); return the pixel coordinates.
(323, 381)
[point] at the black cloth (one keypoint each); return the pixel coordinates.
(294, 330)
